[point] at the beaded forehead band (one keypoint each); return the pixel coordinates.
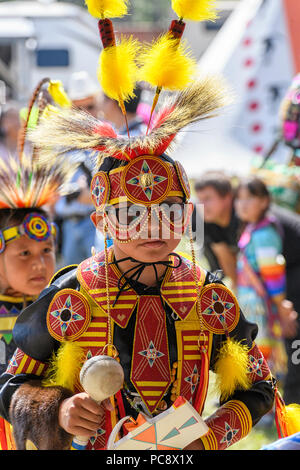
(146, 180)
(35, 226)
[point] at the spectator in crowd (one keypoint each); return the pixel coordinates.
(221, 239)
(261, 277)
(9, 129)
(73, 211)
(112, 113)
(214, 192)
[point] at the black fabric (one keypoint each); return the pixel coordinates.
(214, 233)
(33, 319)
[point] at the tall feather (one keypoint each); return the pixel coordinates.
(117, 71)
(167, 64)
(195, 10)
(107, 8)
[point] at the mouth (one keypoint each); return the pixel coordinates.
(38, 279)
(153, 244)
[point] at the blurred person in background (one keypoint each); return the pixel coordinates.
(261, 275)
(218, 209)
(9, 130)
(73, 211)
(111, 112)
(215, 193)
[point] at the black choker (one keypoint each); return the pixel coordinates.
(137, 271)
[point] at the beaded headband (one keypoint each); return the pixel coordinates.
(34, 225)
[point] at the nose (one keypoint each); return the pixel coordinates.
(38, 263)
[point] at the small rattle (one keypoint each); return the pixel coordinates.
(101, 377)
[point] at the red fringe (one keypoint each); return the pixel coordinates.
(203, 383)
(280, 415)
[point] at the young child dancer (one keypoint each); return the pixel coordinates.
(27, 239)
(166, 320)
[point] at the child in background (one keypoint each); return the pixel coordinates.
(261, 271)
(27, 243)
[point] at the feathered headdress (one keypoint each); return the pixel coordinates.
(25, 181)
(201, 100)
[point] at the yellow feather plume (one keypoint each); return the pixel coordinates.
(292, 417)
(58, 94)
(65, 366)
(107, 8)
(232, 369)
(196, 10)
(117, 71)
(167, 64)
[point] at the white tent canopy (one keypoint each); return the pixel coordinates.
(238, 53)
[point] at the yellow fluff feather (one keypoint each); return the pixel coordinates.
(195, 10)
(117, 70)
(167, 64)
(65, 366)
(232, 369)
(292, 417)
(58, 94)
(107, 8)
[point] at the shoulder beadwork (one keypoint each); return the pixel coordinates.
(69, 315)
(219, 307)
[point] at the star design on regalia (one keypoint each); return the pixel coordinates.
(255, 365)
(230, 433)
(147, 184)
(66, 315)
(97, 191)
(151, 353)
(193, 379)
(218, 307)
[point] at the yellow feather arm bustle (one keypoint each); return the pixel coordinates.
(167, 64)
(292, 418)
(117, 71)
(231, 368)
(58, 94)
(195, 10)
(107, 8)
(65, 365)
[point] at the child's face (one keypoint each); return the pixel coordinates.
(26, 265)
(250, 208)
(156, 238)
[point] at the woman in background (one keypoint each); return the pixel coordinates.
(261, 276)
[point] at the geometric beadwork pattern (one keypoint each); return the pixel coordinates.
(150, 370)
(228, 424)
(147, 180)
(68, 315)
(220, 309)
(258, 368)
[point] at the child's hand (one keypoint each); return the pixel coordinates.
(81, 416)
